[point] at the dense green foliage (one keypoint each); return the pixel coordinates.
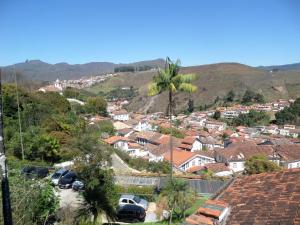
(191, 107)
(229, 97)
(48, 124)
(132, 68)
(96, 105)
(260, 164)
(79, 94)
(289, 115)
(252, 97)
(144, 164)
(179, 197)
(217, 115)
(253, 118)
(33, 203)
(93, 169)
(121, 93)
(146, 192)
(175, 132)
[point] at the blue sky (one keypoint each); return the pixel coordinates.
(254, 32)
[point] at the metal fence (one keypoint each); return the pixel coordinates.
(199, 185)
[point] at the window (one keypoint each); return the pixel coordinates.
(124, 201)
(234, 165)
(131, 202)
(298, 165)
(193, 163)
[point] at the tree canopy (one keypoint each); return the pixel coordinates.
(289, 114)
(260, 164)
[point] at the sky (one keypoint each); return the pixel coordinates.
(253, 32)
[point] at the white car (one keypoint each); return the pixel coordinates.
(133, 199)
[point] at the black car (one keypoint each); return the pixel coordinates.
(32, 172)
(131, 213)
(67, 180)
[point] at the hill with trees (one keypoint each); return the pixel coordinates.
(214, 81)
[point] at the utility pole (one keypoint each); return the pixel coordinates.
(7, 215)
(19, 115)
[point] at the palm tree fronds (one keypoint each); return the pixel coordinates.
(153, 89)
(172, 88)
(186, 87)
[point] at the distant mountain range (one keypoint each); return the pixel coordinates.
(287, 67)
(42, 71)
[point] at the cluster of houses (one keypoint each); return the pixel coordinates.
(236, 110)
(59, 86)
(206, 144)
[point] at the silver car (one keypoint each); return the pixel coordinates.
(133, 199)
(58, 174)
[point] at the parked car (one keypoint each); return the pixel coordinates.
(32, 172)
(58, 174)
(131, 213)
(78, 185)
(67, 180)
(133, 200)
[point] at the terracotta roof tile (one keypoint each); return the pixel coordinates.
(179, 156)
(288, 152)
(267, 198)
(199, 220)
(114, 139)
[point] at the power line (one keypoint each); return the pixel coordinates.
(19, 115)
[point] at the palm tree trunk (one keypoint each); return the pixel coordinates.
(171, 132)
(171, 147)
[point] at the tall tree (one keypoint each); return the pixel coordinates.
(172, 81)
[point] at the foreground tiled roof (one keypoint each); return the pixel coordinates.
(267, 198)
(209, 213)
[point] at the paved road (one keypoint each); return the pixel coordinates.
(120, 166)
(68, 198)
(151, 215)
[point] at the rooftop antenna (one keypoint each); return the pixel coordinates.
(19, 115)
(7, 215)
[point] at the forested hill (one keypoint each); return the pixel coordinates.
(39, 70)
(213, 81)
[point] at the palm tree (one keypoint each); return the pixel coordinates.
(172, 81)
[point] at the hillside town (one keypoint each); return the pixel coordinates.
(150, 112)
(201, 145)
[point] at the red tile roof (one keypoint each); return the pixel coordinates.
(245, 151)
(179, 156)
(114, 139)
(267, 198)
(288, 152)
(209, 213)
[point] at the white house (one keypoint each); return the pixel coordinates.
(183, 160)
(214, 125)
(121, 115)
(289, 155)
(236, 155)
(118, 142)
(139, 125)
(190, 143)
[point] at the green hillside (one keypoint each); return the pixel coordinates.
(212, 81)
